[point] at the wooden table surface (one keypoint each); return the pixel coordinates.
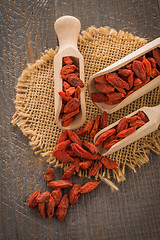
(133, 212)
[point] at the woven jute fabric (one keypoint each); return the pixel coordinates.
(34, 102)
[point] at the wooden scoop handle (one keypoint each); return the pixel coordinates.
(67, 29)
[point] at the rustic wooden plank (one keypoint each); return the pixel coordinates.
(132, 213)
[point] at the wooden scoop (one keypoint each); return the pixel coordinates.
(153, 114)
(122, 62)
(67, 29)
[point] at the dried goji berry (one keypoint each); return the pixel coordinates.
(114, 80)
(104, 136)
(63, 136)
(85, 164)
(65, 96)
(65, 76)
(74, 137)
(152, 62)
(72, 105)
(143, 116)
(123, 124)
(104, 87)
(32, 200)
(125, 72)
(64, 145)
(111, 102)
(77, 93)
(68, 116)
(70, 91)
(103, 120)
(59, 184)
(121, 90)
(129, 93)
(130, 81)
(89, 126)
(90, 146)
(42, 208)
(56, 195)
(68, 172)
(139, 70)
(50, 207)
(100, 79)
(154, 73)
(62, 156)
(67, 122)
(88, 187)
(109, 163)
(75, 81)
(70, 152)
(68, 69)
(49, 175)
(109, 139)
(132, 119)
(137, 82)
(110, 144)
(147, 66)
(74, 193)
(62, 208)
(137, 123)
(67, 60)
(95, 168)
(98, 97)
(43, 197)
(95, 126)
(126, 132)
(80, 152)
(76, 164)
(66, 85)
(115, 96)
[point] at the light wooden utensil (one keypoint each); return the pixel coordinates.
(153, 113)
(67, 29)
(122, 62)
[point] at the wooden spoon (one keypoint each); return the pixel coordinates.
(122, 62)
(153, 114)
(67, 29)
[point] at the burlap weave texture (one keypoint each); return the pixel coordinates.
(35, 98)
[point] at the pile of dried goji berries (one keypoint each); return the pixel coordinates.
(125, 127)
(48, 203)
(71, 93)
(114, 87)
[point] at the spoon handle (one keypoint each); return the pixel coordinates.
(67, 29)
(157, 111)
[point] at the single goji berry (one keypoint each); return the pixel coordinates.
(112, 102)
(100, 79)
(68, 172)
(70, 91)
(110, 144)
(143, 116)
(114, 80)
(109, 163)
(123, 124)
(89, 126)
(85, 164)
(42, 208)
(68, 116)
(74, 137)
(90, 146)
(75, 81)
(64, 145)
(77, 93)
(115, 96)
(95, 126)
(132, 119)
(137, 123)
(126, 132)
(43, 197)
(76, 164)
(122, 90)
(104, 136)
(95, 168)
(62, 208)
(65, 76)
(63, 137)
(104, 87)
(156, 55)
(154, 73)
(32, 200)
(80, 152)
(74, 193)
(56, 195)
(147, 66)
(65, 85)
(152, 62)
(68, 69)
(137, 82)
(49, 175)
(88, 187)
(103, 120)
(130, 81)
(72, 105)
(98, 97)
(139, 70)
(65, 96)
(67, 122)
(50, 207)
(62, 156)
(125, 72)
(59, 184)
(67, 60)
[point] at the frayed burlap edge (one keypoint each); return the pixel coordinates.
(21, 118)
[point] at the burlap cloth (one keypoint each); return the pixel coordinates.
(35, 99)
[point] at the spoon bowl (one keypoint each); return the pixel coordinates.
(153, 114)
(67, 29)
(122, 62)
